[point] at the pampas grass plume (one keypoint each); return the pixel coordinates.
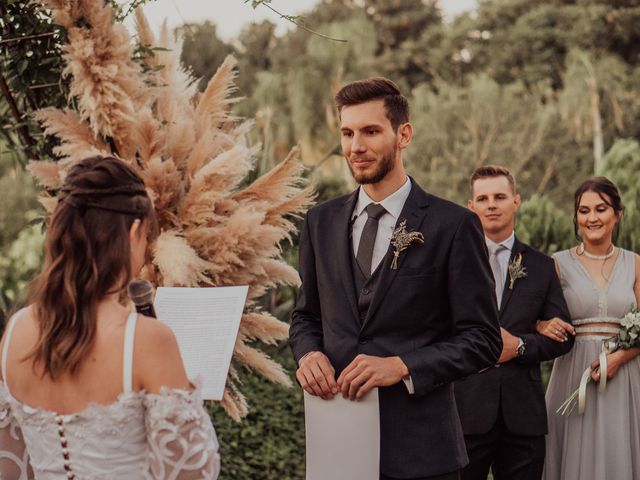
(194, 157)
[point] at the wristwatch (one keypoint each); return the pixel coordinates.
(522, 347)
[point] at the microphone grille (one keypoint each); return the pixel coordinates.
(140, 292)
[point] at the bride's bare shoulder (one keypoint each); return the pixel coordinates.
(25, 317)
(23, 334)
(157, 358)
(152, 328)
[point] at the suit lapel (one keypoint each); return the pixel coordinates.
(414, 212)
(343, 250)
(518, 248)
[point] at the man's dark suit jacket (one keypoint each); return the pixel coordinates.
(516, 386)
(436, 311)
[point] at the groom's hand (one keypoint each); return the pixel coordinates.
(509, 346)
(317, 376)
(366, 372)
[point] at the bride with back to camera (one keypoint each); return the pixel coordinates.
(601, 284)
(90, 390)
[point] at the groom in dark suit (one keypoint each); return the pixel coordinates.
(396, 293)
(502, 409)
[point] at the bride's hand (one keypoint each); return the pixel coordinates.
(555, 329)
(614, 361)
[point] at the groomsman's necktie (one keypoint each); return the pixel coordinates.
(496, 268)
(368, 237)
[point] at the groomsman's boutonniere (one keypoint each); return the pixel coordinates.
(401, 239)
(516, 270)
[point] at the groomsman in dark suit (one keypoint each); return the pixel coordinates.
(502, 409)
(396, 293)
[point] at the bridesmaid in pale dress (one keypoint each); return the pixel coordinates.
(601, 283)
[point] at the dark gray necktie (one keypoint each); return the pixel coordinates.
(496, 268)
(368, 237)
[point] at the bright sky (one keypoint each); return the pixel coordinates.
(231, 15)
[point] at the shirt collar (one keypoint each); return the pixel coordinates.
(393, 203)
(508, 242)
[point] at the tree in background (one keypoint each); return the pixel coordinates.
(600, 100)
(252, 47)
(460, 128)
(30, 77)
(398, 26)
(21, 237)
(202, 50)
(541, 223)
(622, 166)
(529, 40)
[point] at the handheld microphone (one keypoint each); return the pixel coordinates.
(141, 294)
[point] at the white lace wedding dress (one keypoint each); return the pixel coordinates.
(139, 436)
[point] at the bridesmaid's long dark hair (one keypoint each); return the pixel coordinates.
(87, 257)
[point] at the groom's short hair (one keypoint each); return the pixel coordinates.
(491, 171)
(376, 88)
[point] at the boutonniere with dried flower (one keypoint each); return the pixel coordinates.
(401, 239)
(516, 270)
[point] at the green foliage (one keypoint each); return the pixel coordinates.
(610, 83)
(31, 66)
(19, 205)
(529, 40)
(269, 443)
(20, 230)
(402, 27)
(202, 50)
(295, 93)
(397, 21)
(297, 20)
(622, 166)
(252, 43)
(126, 8)
(544, 226)
(20, 262)
(329, 186)
(458, 128)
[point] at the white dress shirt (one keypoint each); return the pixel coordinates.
(393, 204)
(503, 255)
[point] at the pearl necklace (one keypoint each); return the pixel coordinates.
(582, 251)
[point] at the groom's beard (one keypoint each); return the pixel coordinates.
(383, 167)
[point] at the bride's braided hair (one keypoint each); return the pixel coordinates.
(87, 257)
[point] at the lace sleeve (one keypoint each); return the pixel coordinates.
(182, 440)
(14, 458)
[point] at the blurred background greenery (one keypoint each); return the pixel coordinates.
(549, 88)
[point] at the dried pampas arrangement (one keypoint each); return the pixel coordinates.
(193, 156)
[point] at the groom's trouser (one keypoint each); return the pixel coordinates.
(511, 457)
(446, 476)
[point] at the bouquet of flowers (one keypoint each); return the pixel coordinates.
(628, 337)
